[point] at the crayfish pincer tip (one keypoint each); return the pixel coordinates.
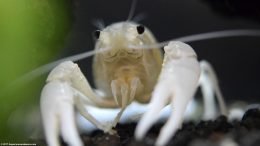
(139, 133)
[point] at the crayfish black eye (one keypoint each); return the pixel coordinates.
(96, 34)
(140, 29)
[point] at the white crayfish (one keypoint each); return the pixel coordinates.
(128, 67)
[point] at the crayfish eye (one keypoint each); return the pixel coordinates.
(140, 29)
(96, 34)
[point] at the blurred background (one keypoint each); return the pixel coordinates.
(33, 33)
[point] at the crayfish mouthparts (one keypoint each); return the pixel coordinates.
(125, 90)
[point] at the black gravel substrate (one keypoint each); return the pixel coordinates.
(219, 132)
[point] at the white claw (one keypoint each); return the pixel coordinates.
(177, 83)
(151, 116)
(57, 107)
